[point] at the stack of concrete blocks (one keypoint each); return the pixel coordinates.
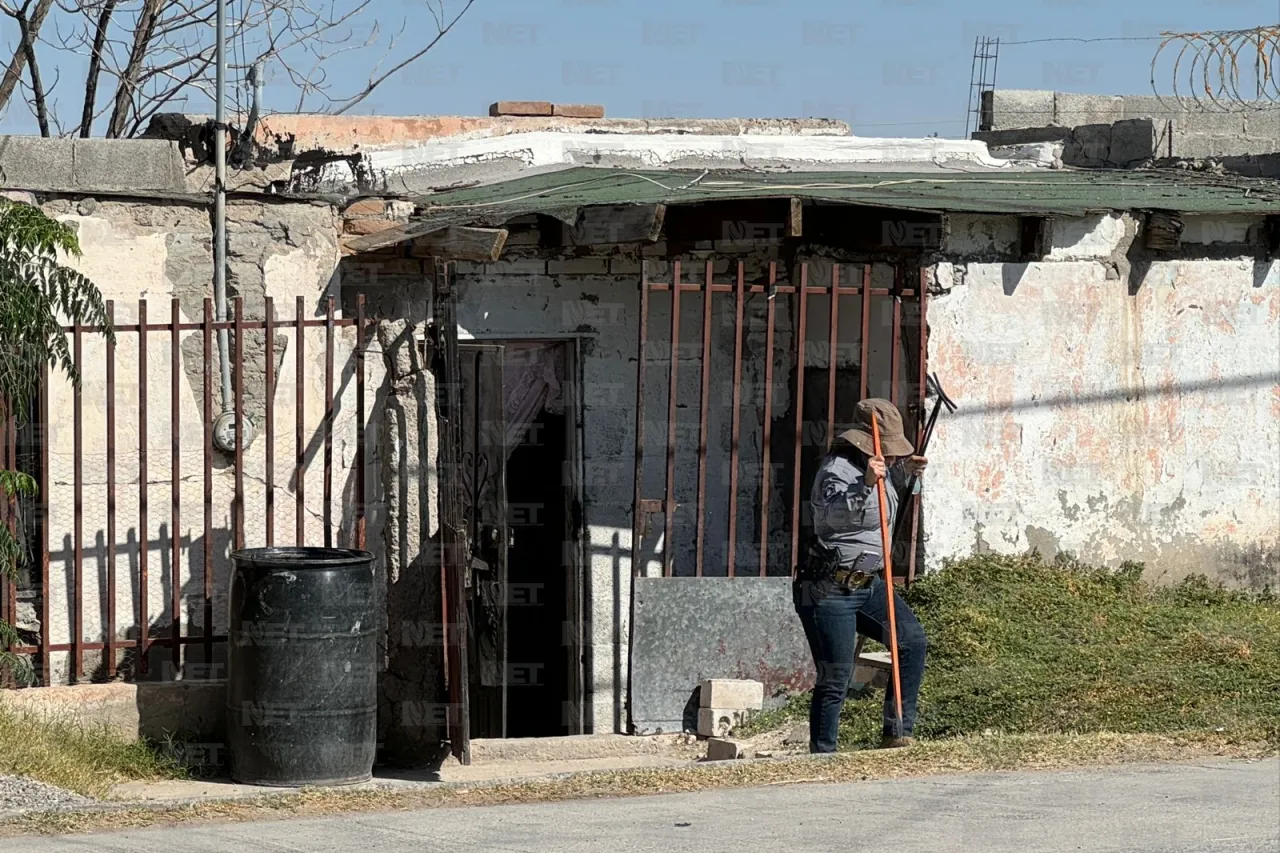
(727, 703)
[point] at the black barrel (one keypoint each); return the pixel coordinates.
(302, 667)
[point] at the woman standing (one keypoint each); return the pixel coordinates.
(840, 591)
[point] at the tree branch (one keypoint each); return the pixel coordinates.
(375, 82)
(128, 80)
(95, 67)
(29, 28)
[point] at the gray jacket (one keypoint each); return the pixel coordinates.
(846, 512)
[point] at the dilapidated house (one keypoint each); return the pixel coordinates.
(568, 380)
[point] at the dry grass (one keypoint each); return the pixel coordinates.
(972, 754)
(62, 753)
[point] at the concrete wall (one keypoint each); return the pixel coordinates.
(1115, 426)
(1179, 127)
(157, 252)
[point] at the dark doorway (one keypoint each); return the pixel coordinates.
(537, 607)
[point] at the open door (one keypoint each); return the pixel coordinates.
(484, 497)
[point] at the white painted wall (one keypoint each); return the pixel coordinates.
(1113, 426)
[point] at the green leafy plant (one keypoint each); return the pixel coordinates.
(39, 292)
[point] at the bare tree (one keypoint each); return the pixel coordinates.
(143, 57)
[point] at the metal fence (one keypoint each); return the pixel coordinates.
(125, 438)
(774, 546)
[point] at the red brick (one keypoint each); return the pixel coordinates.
(579, 110)
(520, 108)
(365, 207)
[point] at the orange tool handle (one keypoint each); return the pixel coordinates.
(887, 544)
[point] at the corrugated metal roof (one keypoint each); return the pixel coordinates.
(1061, 192)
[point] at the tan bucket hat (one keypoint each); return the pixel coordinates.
(892, 440)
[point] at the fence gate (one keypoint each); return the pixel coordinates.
(741, 384)
(128, 542)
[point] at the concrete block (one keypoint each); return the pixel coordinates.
(1132, 141)
(361, 227)
(579, 266)
(32, 163)
(1152, 107)
(148, 709)
(727, 749)
(720, 722)
(365, 207)
(1074, 110)
(740, 693)
(1015, 108)
(1090, 145)
(128, 164)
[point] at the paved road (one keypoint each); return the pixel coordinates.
(1202, 808)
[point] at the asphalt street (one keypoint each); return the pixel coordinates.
(1208, 807)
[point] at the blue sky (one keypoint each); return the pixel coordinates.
(889, 67)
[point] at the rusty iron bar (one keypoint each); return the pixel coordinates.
(238, 391)
(111, 497)
(923, 288)
(77, 417)
(895, 354)
(207, 452)
(705, 405)
(780, 290)
(768, 420)
(639, 519)
(229, 325)
(143, 525)
(833, 348)
(328, 423)
(300, 447)
(801, 324)
(46, 584)
(175, 523)
(740, 301)
(99, 646)
(668, 552)
(269, 428)
(9, 514)
(865, 343)
(360, 484)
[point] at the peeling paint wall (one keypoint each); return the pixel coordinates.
(1114, 426)
(160, 251)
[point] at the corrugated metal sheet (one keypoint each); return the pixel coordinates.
(1065, 192)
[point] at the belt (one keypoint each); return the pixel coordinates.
(852, 579)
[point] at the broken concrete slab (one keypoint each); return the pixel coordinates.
(728, 749)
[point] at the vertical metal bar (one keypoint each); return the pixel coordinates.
(77, 415)
(269, 428)
(300, 446)
(923, 293)
(360, 427)
(895, 356)
(239, 395)
(175, 523)
(111, 496)
(801, 325)
(705, 405)
(207, 393)
(8, 514)
(833, 345)
(668, 552)
(639, 518)
(740, 300)
(46, 583)
(328, 424)
(144, 534)
(766, 460)
(865, 343)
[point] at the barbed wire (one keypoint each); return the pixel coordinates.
(1210, 68)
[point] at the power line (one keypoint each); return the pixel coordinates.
(1085, 41)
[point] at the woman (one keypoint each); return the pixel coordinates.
(839, 590)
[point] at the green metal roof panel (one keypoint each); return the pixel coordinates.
(1062, 192)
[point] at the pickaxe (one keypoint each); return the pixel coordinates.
(934, 389)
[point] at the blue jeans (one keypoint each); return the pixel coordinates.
(832, 616)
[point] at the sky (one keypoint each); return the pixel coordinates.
(888, 67)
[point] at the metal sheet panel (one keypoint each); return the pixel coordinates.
(690, 629)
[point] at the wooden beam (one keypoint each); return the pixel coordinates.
(616, 223)
(795, 221)
(461, 243)
(353, 245)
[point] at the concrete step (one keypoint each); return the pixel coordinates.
(579, 747)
